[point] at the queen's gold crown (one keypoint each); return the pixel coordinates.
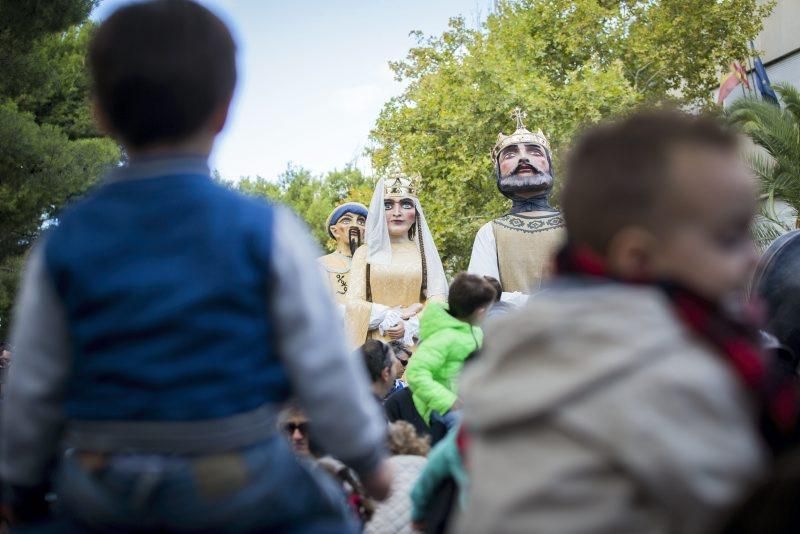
(400, 184)
(520, 135)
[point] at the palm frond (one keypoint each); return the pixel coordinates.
(768, 225)
(791, 99)
(777, 131)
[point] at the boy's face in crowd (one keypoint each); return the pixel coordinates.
(706, 244)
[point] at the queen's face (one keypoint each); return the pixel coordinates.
(401, 214)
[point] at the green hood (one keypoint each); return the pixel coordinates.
(436, 318)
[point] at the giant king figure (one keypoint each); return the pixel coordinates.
(518, 247)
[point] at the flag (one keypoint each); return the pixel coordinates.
(741, 74)
(762, 81)
(737, 75)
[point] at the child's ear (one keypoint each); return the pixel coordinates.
(385, 374)
(100, 118)
(630, 253)
(220, 115)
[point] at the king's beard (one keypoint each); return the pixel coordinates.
(514, 184)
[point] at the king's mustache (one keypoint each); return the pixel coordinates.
(526, 165)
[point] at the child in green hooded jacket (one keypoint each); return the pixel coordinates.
(448, 335)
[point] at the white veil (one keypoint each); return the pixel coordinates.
(379, 247)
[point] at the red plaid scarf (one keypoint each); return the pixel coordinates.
(775, 390)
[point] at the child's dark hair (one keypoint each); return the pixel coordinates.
(468, 292)
(496, 285)
(377, 357)
(618, 172)
(160, 69)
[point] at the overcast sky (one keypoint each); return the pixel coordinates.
(314, 75)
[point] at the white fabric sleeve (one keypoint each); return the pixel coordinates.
(412, 330)
(483, 262)
(330, 384)
(377, 314)
(32, 415)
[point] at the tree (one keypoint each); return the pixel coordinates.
(312, 197)
(49, 150)
(776, 130)
(56, 90)
(567, 63)
(28, 30)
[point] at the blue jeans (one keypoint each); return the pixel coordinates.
(259, 489)
(450, 419)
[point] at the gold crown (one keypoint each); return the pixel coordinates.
(399, 184)
(520, 135)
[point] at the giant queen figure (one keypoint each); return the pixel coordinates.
(397, 271)
(518, 248)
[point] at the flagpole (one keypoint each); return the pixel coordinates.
(751, 65)
(751, 77)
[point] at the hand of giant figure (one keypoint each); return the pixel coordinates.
(518, 247)
(397, 271)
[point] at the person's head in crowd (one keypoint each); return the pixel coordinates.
(402, 354)
(163, 74)
(381, 365)
(294, 424)
(664, 196)
(403, 439)
(469, 298)
(496, 285)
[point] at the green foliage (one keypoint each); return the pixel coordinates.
(777, 131)
(24, 21)
(568, 63)
(313, 198)
(56, 86)
(41, 169)
(41, 47)
(49, 150)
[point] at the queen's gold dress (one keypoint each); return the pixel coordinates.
(398, 284)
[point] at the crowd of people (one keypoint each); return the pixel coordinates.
(184, 360)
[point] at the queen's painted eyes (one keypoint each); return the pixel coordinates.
(405, 204)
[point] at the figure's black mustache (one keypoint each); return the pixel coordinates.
(355, 239)
(526, 166)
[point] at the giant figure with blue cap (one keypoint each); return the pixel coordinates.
(346, 225)
(518, 247)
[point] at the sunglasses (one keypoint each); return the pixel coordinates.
(289, 428)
